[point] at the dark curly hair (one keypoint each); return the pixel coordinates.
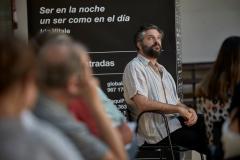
(138, 36)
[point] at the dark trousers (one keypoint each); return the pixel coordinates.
(193, 137)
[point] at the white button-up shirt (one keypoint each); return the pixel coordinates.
(140, 77)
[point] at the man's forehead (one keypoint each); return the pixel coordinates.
(152, 32)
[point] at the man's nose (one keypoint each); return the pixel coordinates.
(157, 40)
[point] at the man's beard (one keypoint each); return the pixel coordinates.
(150, 51)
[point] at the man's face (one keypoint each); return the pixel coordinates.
(151, 43)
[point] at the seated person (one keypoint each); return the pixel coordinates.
(78, 106)
(214, 92)
(64, 78)
(81, 111)
(149, 86)
(23, 136)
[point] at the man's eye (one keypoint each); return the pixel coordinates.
(150, 38)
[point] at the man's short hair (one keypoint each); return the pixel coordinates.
(140, 32)
(40, 39)
(55, 70)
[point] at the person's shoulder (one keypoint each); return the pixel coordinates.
(50, 109)
(162, 68)
(25, 144)
(134, 63)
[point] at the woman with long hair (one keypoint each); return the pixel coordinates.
(215, 91)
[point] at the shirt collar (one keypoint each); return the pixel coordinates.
(143, 59)
(146, 62)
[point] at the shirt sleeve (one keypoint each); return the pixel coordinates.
(112, 111)
(134, 81)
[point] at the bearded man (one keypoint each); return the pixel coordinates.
(149, 86)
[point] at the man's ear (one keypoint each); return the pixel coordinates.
(72, 85)
(139, 46)
(30, 91)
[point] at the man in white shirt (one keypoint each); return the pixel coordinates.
(149, 86)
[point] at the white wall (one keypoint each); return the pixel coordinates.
(21, 7)
(205, 24)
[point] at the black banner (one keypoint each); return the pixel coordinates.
(107, 29)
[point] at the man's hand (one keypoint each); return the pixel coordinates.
(188, 114)
(193, 119)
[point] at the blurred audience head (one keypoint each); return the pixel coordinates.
(43, 37)
(17, 68)
(57, 63)
(225, 73)
(60, 65)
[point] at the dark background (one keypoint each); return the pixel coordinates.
(101, 37)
